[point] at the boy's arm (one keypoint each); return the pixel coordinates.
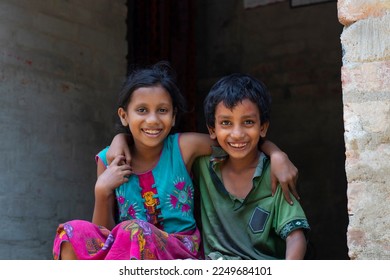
(192, 145)
(120, 146)
(296, 245)
(282, 170)
(196, 144)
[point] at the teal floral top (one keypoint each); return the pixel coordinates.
(163, 196)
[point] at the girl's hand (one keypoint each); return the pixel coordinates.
(119, 146)
(114, 175)
(284, 172)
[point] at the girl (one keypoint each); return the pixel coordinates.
(146, 210)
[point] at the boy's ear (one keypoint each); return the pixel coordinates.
(122, 115)
(263, 129)
(212, 133)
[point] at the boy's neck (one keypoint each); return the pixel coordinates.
(239, 165)
(237, 175)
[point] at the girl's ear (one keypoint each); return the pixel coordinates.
(123, 116)
(211, 130)
(263, 129)
(174, 117)
(173, 120)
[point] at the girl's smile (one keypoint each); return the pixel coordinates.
(149, 116)
(152, 132)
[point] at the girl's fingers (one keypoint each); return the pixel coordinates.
(117, 160)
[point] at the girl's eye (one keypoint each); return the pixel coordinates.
(163, 110)
(225, 123)
(141, 110)
(249, 122)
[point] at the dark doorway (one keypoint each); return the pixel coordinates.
(164, 30)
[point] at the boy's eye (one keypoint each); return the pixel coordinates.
(226, 123)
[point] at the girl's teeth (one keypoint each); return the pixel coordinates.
(237, 145)
(152, 131)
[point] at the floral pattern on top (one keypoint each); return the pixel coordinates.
(182, 196)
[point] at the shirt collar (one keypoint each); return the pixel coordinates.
(219, 155)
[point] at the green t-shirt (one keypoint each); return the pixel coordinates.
(252, 228)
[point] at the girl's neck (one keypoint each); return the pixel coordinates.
(144, 159)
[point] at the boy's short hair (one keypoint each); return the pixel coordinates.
(235, 88)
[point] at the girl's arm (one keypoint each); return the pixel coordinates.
(194, 144)
(282, 171)
(108, 180)
(295, 245)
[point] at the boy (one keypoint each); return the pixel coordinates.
(240, 217)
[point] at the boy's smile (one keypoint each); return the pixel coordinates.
(238, 130)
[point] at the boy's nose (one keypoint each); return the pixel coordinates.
(237, 133)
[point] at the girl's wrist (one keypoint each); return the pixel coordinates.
(103, 192)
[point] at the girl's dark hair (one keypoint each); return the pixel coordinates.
(159, 74)
(233, 89)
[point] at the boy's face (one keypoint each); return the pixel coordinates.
(238, 131)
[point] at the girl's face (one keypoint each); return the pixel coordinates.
(149, 115)
(238, 130)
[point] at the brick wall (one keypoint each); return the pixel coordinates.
(61, 64)
(366, 95)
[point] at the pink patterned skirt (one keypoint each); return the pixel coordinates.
(133, 239)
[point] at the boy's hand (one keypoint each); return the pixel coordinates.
(284, 172)
(116, 174)
(119, 146)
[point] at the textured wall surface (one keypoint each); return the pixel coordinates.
(366, 95)
(61, 65)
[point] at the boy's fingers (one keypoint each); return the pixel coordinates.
(117, 160)
(128, 157)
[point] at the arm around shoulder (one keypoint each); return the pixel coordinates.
(193, 145)
(119, 146)
(282, 170)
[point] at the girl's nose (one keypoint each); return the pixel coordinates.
(152, 118)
